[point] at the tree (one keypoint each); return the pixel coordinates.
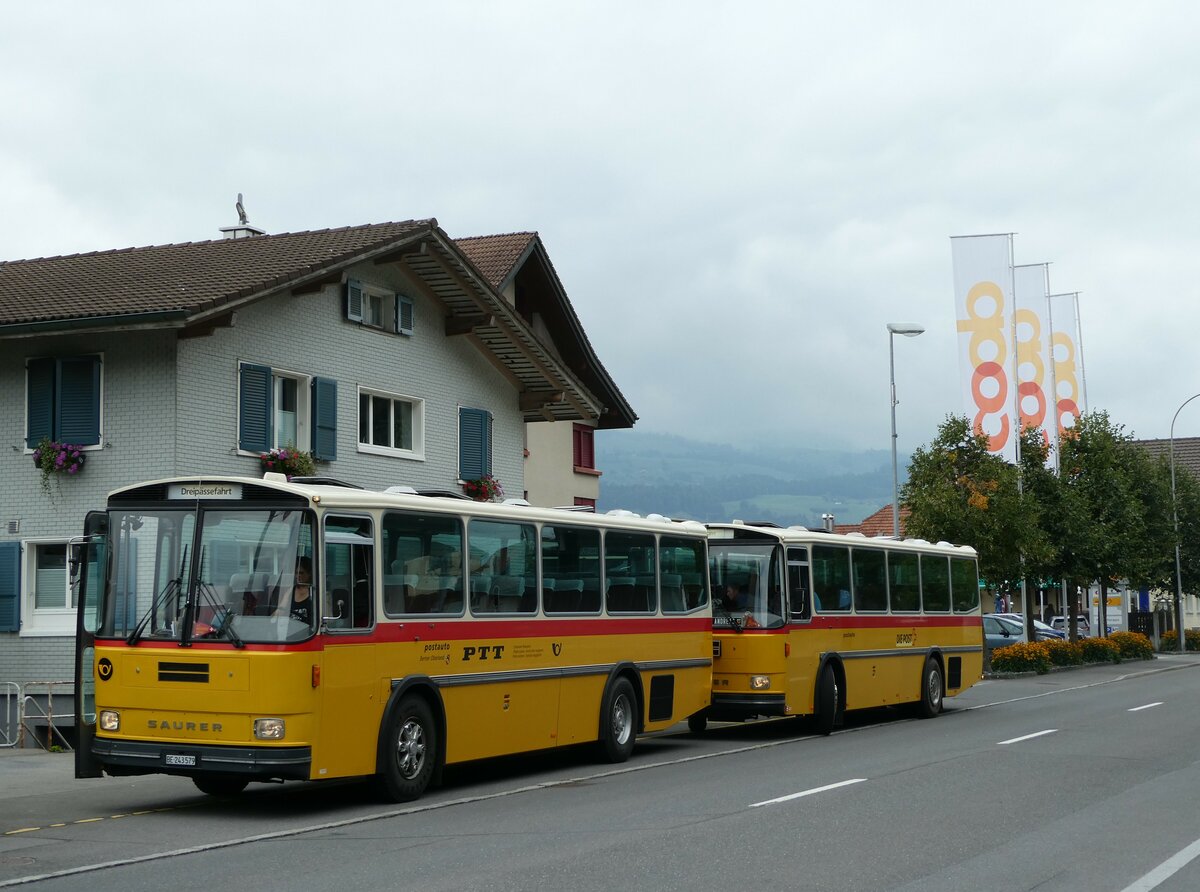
(1121, 521)
(958, 491)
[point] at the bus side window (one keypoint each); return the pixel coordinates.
(799, 605)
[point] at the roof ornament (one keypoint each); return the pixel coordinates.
(241, 211)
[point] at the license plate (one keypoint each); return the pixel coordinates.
(181, 759)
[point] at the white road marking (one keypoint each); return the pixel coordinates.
(1027, 737)
(1147, 706)
(1166, 870)
(791, 796)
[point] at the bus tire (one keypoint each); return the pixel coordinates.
(410, 750)
(698, 721)
(618, 721)
(828, 700)
(932, 690)
(220, 785)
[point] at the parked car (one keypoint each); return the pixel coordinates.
(1083, 627)
(1001, 632)
(1042, 632)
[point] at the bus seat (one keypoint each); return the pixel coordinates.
(672, 593)
(589, 601)
(566, 596)
(620, 594)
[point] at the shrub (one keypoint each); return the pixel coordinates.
(1170, 640)
(1023, 657)
(1064, 653)
(1133, 645)
(1100, 650)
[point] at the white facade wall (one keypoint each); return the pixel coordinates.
(170, 406)
(138, 442)
(550, 476)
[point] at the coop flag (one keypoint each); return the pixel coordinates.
(984, 305)
(1066, 360)
(1034, 385)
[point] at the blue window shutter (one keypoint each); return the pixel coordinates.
(254, 396)
(324, 410)
(472, 438)
(78, 400)
(39, 402)
(404, 314)
(354, 300)
(10, 586)
(486, 456)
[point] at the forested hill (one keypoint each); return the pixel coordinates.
(648, 472)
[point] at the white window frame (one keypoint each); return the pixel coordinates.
(303, 408)
(44, 621)
(417, 453)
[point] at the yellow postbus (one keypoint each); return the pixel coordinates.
(813, 623)
(237, 629)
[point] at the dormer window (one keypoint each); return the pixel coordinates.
(377, 308)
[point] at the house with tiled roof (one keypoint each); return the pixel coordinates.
(881, 523)
(560, 464)
(1186, 451)
(390, 352)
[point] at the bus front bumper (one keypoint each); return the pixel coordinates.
(128, 757)
(738, 707)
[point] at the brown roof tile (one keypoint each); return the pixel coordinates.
(188, 277)
(496, 256)
(877, 524)
(1187, 452)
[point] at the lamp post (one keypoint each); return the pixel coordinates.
(909, 330)
(1175, 521)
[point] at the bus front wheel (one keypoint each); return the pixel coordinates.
(932, 690)
(827, 700)
(618, 721)
(411, 750)
(698, 721)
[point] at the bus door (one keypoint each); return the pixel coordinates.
(89, 566)
(350, 710)
(801, 665)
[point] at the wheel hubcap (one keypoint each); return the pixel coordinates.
(622, 720)
(935, 690)
(410, 749)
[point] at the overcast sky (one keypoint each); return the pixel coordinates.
(737, 196)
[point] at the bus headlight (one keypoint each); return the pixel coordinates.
(269, 729)
(760, 682)
(110, 720)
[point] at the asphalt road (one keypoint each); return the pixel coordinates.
(1085, 780)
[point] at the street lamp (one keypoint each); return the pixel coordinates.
(1175, 519)
(909, 330)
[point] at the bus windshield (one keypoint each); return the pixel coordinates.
(747, 584)
(227, 574)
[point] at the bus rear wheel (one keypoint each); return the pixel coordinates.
(221, 785)
(828, 700)
(410, 750)
(932, 690)
(618, 721)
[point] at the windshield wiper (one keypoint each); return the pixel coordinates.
(222, 627)
(720, 605)
(173, 587)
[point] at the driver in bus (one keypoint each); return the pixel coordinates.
(737, 598)
(301, 596)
